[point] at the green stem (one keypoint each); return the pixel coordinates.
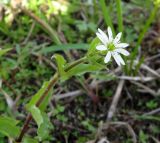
(52, 82)
(106, 15)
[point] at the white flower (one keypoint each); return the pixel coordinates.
(112, 46)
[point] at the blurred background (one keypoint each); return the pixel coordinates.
(31, 31)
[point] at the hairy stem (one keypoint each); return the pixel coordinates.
(52, 82)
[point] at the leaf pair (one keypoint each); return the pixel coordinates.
(66, 72)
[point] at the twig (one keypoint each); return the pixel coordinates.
(137, 78)
(116, 98)
(150, 70)
(156, 140)
(69, 94)
(152, 92)
(152, 58)
(152, 112)
(76, 93)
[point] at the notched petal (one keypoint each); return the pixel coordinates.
(105, 37)
(122, 45)
(117, 38)
(110, 35)
(101, 38)
(122, 51)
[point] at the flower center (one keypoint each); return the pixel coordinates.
(111, 46)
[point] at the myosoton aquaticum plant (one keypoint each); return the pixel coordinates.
(100, 52)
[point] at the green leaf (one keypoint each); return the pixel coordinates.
(38, 95)
(36, 114)
(42, 121)
(8, 127)
(46, 100)
(83, 68)
(92, 48)
(29, 140)
(143, 137)
(44, 128)
(3, 51)
(61, 63)
(64, 47)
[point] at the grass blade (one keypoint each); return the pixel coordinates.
(106, 15)
(64, 47)
(119, 15)
(142, 34)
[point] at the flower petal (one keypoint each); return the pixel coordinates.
(122, 51)
(101, 38)
(103, 35)
(101, 47)
(118, 58)
(110, 35)
(108, 57)
(115, 58)
(117, 38)
(121, 45)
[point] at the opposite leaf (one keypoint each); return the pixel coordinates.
(36, 114)
(83, 68)
(61, 63)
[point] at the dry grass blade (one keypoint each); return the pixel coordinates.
(8, 99)
(137, 78)
(115, 100)
(152, 112)
(155, 140)
(76, 93)
(153, 57)
(143, 66)
(147, 89)
(69, 94)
